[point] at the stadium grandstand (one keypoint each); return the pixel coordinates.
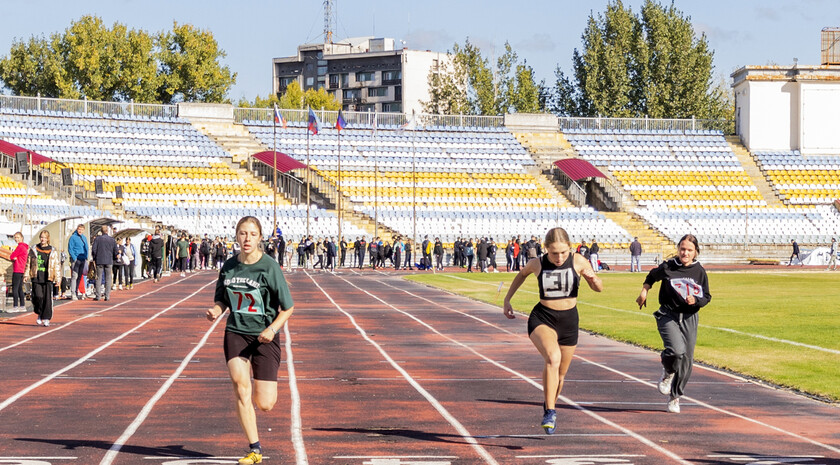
(447, 177)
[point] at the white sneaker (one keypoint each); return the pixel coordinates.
(665, 383)
(674, 405)
(47, 323)
(38, 322)
(182, 274)
(119, 287)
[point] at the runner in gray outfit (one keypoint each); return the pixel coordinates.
(684, 290)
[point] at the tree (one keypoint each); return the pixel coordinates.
(33, 67)
(190, 66)
(260, 102)
(321, 100)
(467, 84)
(91, 60)
(651, 64)
(293, 97)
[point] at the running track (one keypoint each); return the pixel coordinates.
(382, 372)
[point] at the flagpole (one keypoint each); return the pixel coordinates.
(375, 180)
(308, 171)
(414, 181)
(340, 212)
(274, 169)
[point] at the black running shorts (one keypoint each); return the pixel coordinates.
(563, 322)
(264, 358)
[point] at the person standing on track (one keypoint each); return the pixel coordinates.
(156, 247)
(253, 287)
(18, 258)
(553, 323)
(684, 291)
(77, 247)
(45, 272)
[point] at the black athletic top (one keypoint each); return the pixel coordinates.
(678, 281)
(558, 282)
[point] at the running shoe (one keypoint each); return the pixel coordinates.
(665, 382)
(674, 405)
(549, 421)
(251, 458)
(38, 322)
(46, 323)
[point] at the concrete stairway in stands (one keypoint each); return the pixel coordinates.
(758, 178)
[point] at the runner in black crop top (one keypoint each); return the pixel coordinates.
(553, 323)
(558, 282)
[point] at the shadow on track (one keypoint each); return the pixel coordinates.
(414, 434)
(74, 444)
(591, 408)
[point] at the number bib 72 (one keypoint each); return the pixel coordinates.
(246, 301)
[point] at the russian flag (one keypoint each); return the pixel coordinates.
(339, 122)
(314, 124)
(278, 118)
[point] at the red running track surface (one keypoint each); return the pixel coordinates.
(383, 372)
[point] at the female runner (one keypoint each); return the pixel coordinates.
(684, 290)
(553, 324)
(252, 286)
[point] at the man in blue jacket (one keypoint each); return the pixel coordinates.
(77, 247)
(102, 251)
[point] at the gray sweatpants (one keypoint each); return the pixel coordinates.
(679, 335)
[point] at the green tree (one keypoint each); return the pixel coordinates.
(33, 68)
(260, 102)
(189, 61)
(650, 64)
(292, 99)
(468, 85)
(321, 100)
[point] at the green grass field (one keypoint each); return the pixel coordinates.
(776, 326)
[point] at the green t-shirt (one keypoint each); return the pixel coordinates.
(183, 248)
(253, 293)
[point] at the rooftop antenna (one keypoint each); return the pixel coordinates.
(329, 21)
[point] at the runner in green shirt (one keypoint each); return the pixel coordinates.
(252, 286)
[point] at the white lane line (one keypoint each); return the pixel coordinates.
(97, 313)
(565, 399)
(296, 422)
(92, 353)
(147, 409)
(715, 328)
(428, 396)
(721, 410)
(639, 380)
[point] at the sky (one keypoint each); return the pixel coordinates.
(543, 32)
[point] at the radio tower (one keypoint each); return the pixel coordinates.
(329, 21)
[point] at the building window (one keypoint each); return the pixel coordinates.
(334, 80)
(284, 82)
(395, 107)
(377, 91)
(366, 107)
(352, 95)
(345, 79)
(365, 76)
(391, 77)
(310, 81)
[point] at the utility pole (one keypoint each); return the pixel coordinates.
(329, 21)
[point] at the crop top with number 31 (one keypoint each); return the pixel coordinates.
(558, 282)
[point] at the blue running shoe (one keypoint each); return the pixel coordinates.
(549, 421)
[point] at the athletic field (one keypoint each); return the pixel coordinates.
(377, 370)
(778, 326)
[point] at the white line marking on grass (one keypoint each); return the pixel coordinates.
(147, 409)
(716, 328)
(426, 394)
(631, 377)
(295, 427)
(89, 315)
(92, 353)
(565, 399)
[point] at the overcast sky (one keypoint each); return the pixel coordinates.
(544, 32)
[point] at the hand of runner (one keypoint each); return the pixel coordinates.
(509, 311)
(213, 313)
(267, 335)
